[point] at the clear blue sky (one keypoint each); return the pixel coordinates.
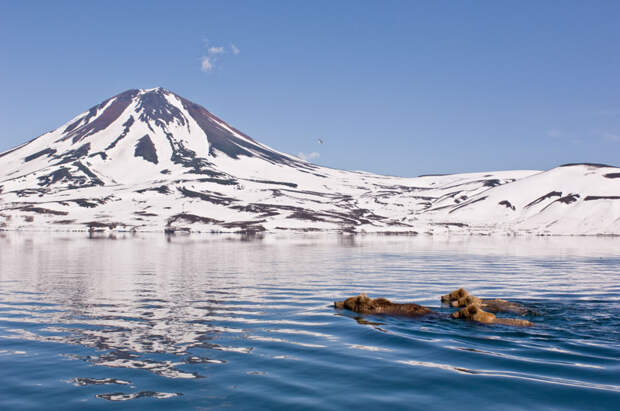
(395, 87)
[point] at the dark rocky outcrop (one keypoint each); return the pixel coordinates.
(507, 204)
(492, 182)
(55, 176)
(468, 204)
(282, 183)
(591, 198)
(567, 199)
(81, 128)
(595, 165)
(210, 196)
(191, 219)
(232, 142)
(48, 151)
(41, 210)
(146, 149)
(73, 155)
(546, 196)
(94, 179)
(160, 189)
(127, 126)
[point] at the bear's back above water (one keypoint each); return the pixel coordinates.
(365, 305)
(474, 313)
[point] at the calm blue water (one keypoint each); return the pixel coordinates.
(218, 323)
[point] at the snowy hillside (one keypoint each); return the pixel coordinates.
(149, 160)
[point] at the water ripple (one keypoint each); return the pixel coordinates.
(511, 374)
(217, 324)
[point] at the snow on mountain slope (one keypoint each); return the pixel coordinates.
(571, 199)
(151, 160)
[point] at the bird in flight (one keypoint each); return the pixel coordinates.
(320, 141)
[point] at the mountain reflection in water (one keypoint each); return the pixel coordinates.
(190, 321)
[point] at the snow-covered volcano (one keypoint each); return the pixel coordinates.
(150, 160)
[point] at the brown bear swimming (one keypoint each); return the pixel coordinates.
(365, 305)
(454, 295)
(461, 298)
(475, 313)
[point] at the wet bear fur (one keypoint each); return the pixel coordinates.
(454, 295)
(365, 305)
(473, 312)
(461, 298)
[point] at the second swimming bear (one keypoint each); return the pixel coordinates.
(461, 298)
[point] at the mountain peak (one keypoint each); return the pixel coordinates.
(175, 132)
(154, 89)
(149, 159)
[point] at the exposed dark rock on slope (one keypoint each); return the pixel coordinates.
(152, 160)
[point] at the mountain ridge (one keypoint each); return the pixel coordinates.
(151, 160)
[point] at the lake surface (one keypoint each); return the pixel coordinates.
(218, 323)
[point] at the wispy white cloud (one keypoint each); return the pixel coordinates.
(207, 62)
(215, 50)
(309, 156)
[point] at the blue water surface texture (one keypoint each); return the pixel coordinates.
(212, 322)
